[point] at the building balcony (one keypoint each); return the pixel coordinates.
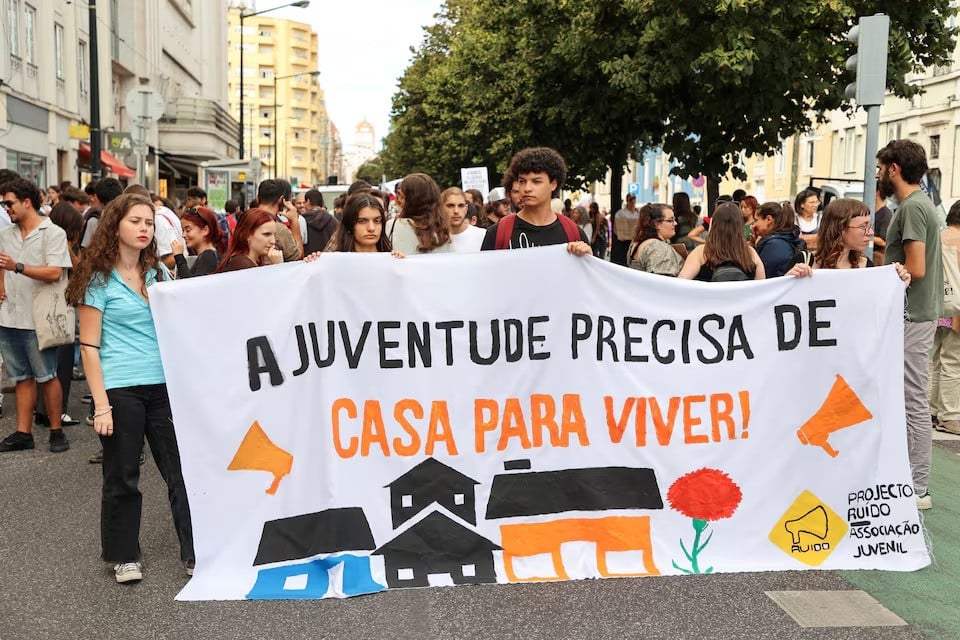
(198, 128)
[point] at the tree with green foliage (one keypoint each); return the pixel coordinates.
(600, 80)
(370, 171)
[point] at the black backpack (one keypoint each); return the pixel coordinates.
(728, 272)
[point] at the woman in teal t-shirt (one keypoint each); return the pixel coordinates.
(121, 358)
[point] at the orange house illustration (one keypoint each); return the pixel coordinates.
(515, 495)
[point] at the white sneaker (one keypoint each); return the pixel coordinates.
(924, 502)
(128, 572)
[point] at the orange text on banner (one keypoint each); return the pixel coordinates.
(694, 419)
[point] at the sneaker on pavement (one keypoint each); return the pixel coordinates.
(68, 421)
(58, 441)
(128, 572)
(89, 420)
(924, 501)
(948, 426)
(96, 458)
(87, 399)
(17, 441)
(189, 565)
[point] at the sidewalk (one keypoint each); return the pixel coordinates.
(928, 598)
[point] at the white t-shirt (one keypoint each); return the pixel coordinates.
(404, 239)
(167, 229)
(468, 240)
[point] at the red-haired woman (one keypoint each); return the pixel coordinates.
(202, 235)
(253, 243)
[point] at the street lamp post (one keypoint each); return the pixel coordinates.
(312, 74)
(302, 4)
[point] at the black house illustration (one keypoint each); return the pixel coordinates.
(330, 531)
(435, 545)
(339, 533)
(428, 482)
(594, 489)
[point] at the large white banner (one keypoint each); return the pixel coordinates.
(365, 423)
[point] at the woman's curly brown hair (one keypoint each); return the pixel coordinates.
(104, 250)
(836, 217)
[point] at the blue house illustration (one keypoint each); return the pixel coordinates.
(336, 532)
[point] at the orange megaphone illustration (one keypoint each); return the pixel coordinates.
(840, 410)
(258, 453)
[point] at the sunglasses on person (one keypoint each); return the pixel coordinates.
(8, 204)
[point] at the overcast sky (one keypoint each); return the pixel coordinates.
(364, 47)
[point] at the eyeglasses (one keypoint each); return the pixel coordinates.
(866, 227)
(669, 220)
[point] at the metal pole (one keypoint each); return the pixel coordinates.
(96, 135)
(241, 84)
(870, 166)
(275, 120)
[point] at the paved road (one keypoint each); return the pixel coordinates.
(53, 585)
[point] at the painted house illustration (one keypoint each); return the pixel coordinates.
(428, 482)
(343, 534)
(522, 495)
(437, 544)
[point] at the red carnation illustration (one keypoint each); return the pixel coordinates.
(703, 495)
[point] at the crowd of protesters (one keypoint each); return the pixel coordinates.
(106, 245)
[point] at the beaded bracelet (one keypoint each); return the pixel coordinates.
(103, 413)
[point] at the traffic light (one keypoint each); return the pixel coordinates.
(870, 61)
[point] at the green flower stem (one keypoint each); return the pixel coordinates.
(698, 527)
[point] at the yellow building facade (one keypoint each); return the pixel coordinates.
(284, 108)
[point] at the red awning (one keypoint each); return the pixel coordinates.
(111, 162)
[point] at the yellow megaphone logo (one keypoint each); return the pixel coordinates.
(809, 531)
(257, 452)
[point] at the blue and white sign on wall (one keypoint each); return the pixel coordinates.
(633, 187)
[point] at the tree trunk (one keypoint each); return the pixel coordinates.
(713, 192)
(618, 249)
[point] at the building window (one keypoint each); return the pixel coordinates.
(810, 154)
(781, 159)
(404, 574)
(469, 570)
(934, 147)
(58, 49)
(893, 131)
(406, 501)
(29, 34)
(82, 67)
(849, 150)
(31, 167)
(266, 33)
(13, 19)
(266, 73)
(458, 498)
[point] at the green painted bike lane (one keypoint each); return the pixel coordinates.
(929, 599)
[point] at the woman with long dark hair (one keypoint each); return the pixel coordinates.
(777, 237)
(253, 243)
(361, 227)
(650, 250)
(687, 220)
(726, 251)
(121, 357)
(599, 239)
(202, 235)
(421, 226)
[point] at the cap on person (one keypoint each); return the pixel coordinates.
(497, 194)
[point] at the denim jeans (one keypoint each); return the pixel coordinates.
(137, 412)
